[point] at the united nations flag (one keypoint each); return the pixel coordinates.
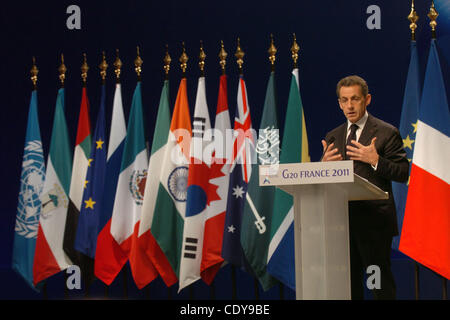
(29, 202)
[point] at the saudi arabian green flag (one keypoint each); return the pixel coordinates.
(259, 202)
(294, 149)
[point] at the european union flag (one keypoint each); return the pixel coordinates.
(408, 128)
(88, 223)
(29, 206)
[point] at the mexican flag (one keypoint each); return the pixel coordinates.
(49, 257)
(131, 184)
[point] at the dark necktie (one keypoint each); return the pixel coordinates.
(351, 136)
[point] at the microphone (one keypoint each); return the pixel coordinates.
(330, 141)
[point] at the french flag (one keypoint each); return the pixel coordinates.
(425, 234)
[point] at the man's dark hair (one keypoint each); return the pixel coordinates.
(353, 81)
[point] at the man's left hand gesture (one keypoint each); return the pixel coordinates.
(367, 154)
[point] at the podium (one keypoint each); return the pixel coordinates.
(321, 191)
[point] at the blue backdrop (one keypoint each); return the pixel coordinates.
(334, 42)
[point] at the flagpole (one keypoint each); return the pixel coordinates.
(84, 70)
(34, 73)
(167, 60)
(62, 71)
(183, 61)
(413, 17)
(239, 54)
(272, 52)
(444, 289)
(138, 69)
(222, 58)
(433, 14)
(239, 57)
(222, 61)
(294, 52)
(233, 283)
(62, 76)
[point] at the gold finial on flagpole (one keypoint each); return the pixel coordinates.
(62, 71)
(34, 72)
(103, 66)
(84, 70)
(222, 57)
(272, 52)
(117, 66)
(413, 17)
(294, 50)
(201, 58)
(433, 14)
(138, 64)
(239, 56)
(183, 60)
(167, 61)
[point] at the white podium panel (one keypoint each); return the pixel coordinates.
(321, 192)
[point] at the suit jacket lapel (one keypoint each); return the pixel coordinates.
(368, 132)
(341, 139)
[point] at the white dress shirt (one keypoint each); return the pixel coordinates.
(360, 123)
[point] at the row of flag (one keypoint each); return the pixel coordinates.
(112, 202)
(109, 202)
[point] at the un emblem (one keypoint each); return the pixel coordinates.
(178, 183)
(32, 182)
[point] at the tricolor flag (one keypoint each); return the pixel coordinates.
(49, 256)
(240, 173)
(171, 193)
(425, 234)
(145, 247)
(87, 230)
(81, 161)
(109, 257)
(202, 190)
(258, 207)
(215, 219)
(294, 148)
(408, 128)
(29, 203)
(130, 186)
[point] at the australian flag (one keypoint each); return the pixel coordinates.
(240, 172)
(88, 223)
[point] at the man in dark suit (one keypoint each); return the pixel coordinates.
(377, 150)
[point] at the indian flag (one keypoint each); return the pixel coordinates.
(169, 205)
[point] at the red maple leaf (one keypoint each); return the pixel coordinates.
(203, 174)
